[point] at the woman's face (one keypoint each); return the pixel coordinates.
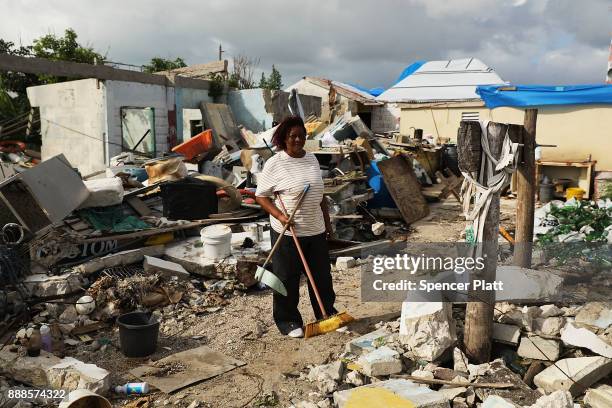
(295, 141)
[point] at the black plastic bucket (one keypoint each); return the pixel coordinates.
(138, 334)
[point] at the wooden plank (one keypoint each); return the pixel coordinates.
(404, 188)
(139, 206)
(219, 118)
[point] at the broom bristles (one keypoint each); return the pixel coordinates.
(327, 325)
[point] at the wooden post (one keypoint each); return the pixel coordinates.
(479, 313)
(525, 206)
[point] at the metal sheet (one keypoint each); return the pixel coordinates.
(56, 186)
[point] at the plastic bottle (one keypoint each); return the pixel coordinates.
(132, 388)
(34, 343)
(46, 339)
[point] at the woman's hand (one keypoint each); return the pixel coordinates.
(283, 219)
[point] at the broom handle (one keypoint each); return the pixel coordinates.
(306, 268)
(297, 206)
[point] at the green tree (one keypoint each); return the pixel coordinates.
(64, 48)
(49, 46)
(274, 80)
(263, 82)
(161, 64)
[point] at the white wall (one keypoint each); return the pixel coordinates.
(136, 95)
(72, 122)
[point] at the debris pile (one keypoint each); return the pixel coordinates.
(545, 356)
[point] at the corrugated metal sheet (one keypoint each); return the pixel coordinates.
(450, 80)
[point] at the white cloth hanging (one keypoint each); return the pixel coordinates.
(498, 174)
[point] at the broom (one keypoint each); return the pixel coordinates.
(328, 323)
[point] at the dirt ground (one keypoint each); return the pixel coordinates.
(244, 330)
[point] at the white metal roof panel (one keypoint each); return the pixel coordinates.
(443, 80)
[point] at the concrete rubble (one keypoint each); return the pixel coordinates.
(427, 329)
(599, 396)
(536, 347)
(582, 372)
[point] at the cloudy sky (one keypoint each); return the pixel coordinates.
(357, 41)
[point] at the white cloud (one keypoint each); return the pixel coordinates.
(361, 41)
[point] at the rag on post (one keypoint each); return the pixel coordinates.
(498, 173)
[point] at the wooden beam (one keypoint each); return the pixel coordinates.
(479, 312)
(526, 185)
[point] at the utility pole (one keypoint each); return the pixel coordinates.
(221, 51)
(479, 310)
(526, 182)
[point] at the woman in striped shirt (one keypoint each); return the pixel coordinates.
(286, 173)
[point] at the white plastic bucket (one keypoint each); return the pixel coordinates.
(83, 398)
(217, 240)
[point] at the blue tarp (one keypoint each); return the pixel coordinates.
(382, 197)
(542, 95)
(372, 91)
(409, 70)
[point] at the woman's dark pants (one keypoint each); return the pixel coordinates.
(287, 266)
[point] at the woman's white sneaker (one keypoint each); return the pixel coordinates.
(296, 333)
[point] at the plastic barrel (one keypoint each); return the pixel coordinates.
(450, 158)
(546, 192)
(138, 333)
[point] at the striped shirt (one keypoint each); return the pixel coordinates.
(288, 175)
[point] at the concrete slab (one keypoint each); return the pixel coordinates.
(539, 348)
(165, 268)
(391, 393)
(506, 333)
(583, 371)
(599, 396)
(581, 337)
